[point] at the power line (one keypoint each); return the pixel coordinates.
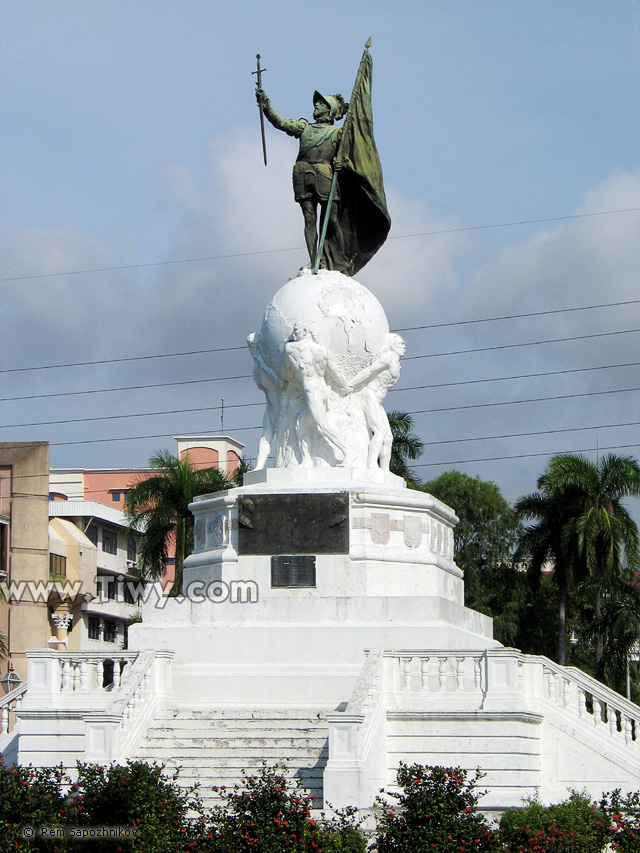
(124, 388)
(519, 456)
(300, 248)
(252, 405)
(522, 344)
(518, 402)
(248, 376)
(508, 378)
(236, 348)
(518, 316)
(120, 360)
(528, 434)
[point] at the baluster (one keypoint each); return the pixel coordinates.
(552, 687)
(566, 692)
(424, 673)
(477, 673)
(613, 720)
(459, 673)
(4, 720)
(18, 703)
(520, 675)
(116, 674)
(84, 685)
(99, 674)
(77, 680)
(442, 674)
(628, 735)
(66, 675)
(582, 703)
(598, 707)
(406, 672)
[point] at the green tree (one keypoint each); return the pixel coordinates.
(484, 541)
(546, 546)
(590, 534)
(406, 445)
(159, 505)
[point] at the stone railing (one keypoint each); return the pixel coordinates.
(357, 739)
(583, 698)
(9, 704)
(90, 706)
(493, 681)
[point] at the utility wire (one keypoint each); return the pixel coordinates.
(236, 348)
(522, 344)
(300, 248)
(252, 405)
(518, 456)
(248, 376)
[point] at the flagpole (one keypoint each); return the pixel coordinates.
(347, 122)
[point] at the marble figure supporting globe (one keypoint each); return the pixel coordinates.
(324, 359)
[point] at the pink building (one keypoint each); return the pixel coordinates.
(109, 485)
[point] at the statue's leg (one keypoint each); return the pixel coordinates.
(310, 226)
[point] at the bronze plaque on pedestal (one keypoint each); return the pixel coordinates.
(293, 571)
(293, 524)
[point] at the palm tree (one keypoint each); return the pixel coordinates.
(545, 544)
(584, 530)
(605, 536)
(406, 445)
(159, 505)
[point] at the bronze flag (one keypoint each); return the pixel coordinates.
(363, 206)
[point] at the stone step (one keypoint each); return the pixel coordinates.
(220, 745)
(195, 729)
(196, 752)
(243, 713)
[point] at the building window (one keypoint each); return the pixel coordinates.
(128, 595)
(92, 533)
(115, 496)
(110, 631)
(109, 541)
(3, 549)
(94, 628)
(57, 565)
(132, 550)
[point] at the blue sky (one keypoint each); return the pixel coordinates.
(130, 137)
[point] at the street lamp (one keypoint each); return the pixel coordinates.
(10, 681)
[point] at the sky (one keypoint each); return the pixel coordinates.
(142, 237)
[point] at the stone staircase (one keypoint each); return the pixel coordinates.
(219, 745)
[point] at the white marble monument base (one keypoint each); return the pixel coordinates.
(238, 639)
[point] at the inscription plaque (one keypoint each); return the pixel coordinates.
(293, 524)
(293, 571)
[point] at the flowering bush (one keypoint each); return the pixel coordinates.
(140, 796)
(31, 797)
(625, 820)
(574, 826)
(434, 812)
(271, 814)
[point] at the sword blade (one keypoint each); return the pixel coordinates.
(261, 108)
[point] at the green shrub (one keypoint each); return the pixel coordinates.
(574, 826)
(137, 796)
(32, 798)
(434, 811)
(272, 814)
(624, 813)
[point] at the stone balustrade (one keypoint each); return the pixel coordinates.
(9, 704)
(497, 690)
(90, 706)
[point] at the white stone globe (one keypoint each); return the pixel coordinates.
(342, 314)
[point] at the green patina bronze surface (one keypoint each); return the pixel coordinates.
(338, 168)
